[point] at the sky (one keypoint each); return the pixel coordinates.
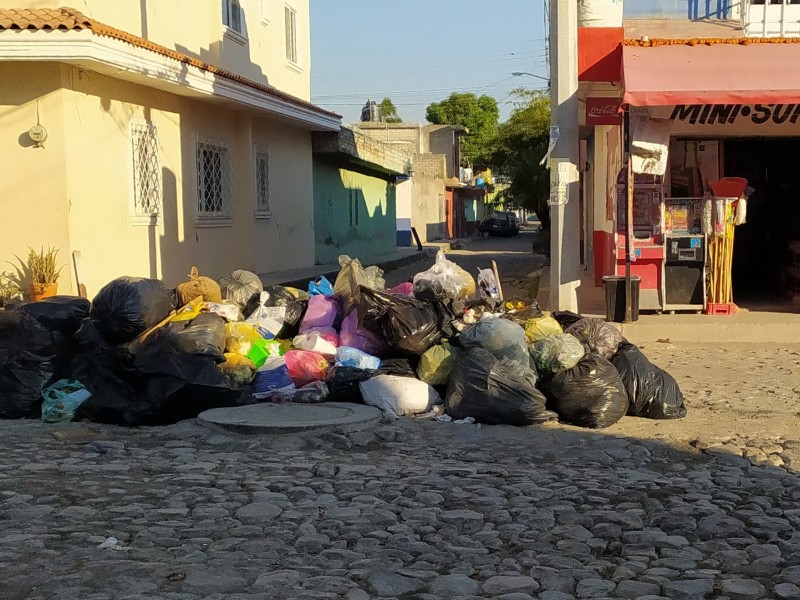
(420, 51)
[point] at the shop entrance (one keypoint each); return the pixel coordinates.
(763, 258)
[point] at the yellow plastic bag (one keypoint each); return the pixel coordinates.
(189, 311)
(536, 329)
(199, 286)
(437, 363)
(298, 294)
(239, 369)
(240, 338)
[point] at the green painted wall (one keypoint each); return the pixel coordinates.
(354, 214)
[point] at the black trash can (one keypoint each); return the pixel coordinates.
(615, 297)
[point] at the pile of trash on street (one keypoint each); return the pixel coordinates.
(443, 344)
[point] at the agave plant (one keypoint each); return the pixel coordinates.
(40, 268)
(9, 287)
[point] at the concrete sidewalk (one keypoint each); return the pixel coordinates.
(401, 257)
(777, 325)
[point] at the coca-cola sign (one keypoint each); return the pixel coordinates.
(603, 111)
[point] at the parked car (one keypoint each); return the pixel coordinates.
(500, 223)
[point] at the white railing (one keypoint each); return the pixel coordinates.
(771, 18)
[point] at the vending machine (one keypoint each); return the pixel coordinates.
(685, 261)
(647, 246)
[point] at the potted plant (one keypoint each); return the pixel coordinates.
(9, 288)
(40, 270)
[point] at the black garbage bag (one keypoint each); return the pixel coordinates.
(494, 391)
(566, 318)
(23, 376)
(597, 336)
(128, 306)
(343, 383)
(63, 314)
(652, 392)
(402, 367)
(203, 335)
(590, 394)
(280, 296)
(20, 332)
(409, 326)
(151, 383)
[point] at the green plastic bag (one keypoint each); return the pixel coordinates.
(437, 363)
(536, 329)
(62, 399)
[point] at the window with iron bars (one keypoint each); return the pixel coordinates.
(214, 179)
(147, 189)
(263, 207)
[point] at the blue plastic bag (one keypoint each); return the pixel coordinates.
(320, 287)
(62, 399)
(352, 357)
(271, 378)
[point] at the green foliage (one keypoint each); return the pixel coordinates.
(521, 143)
(479, 115)
(389, 111)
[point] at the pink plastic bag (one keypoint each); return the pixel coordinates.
(361, 339)
(323, 311)
(404, 289)
(305, 366)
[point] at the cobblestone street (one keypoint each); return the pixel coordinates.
(421, 509)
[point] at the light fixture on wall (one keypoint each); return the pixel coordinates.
(38, 133)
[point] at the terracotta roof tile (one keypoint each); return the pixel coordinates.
(69, 19)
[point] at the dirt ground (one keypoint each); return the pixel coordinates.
(735, 393)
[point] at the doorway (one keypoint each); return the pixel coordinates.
(763, 259)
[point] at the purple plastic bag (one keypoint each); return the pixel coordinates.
(355, 337)
(323, 312)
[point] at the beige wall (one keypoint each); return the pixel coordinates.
(33, 179)
(195, 27)
(81, 183)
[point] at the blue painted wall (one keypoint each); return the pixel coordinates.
(354, 214)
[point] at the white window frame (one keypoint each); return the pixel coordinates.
(263, 205)
(231, 14)
(142, 211)
(290, 35)
(263, 10)
(224, 216)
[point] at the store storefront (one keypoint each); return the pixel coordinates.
(732, 111)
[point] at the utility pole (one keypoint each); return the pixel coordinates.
(564, 209)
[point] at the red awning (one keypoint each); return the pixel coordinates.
(718, 74)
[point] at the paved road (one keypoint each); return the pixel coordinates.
(420, 510)
(513, 255)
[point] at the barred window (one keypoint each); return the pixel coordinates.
(147, 189)
(263, 208)
(214, 179)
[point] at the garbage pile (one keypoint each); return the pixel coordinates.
(442, 344)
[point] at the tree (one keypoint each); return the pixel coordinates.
(522, 142)
(479, 115)
(389, 111)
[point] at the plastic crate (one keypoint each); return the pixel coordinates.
(720, 309)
